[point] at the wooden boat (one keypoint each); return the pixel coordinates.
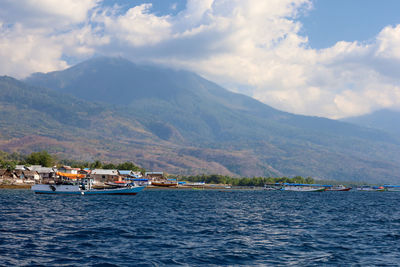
(302, 187)
(164, 183)
(338, 188)
(83, 187)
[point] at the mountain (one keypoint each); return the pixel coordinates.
(182, 123)
(32, 117)
(384, 119)
(161, 98)
(35, 118)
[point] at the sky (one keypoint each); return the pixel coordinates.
(314, 57)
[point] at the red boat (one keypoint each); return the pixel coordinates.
(339, 188)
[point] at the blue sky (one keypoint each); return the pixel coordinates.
(331, 21)
(160, 7)
(331, 58)
(328, 22)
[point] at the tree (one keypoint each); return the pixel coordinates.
(130, 166)
(109, 166)
(310, 180)
(298, 180)
(96, 165)
(5, 164)
(40, 158)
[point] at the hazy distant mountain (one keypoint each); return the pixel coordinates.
(385, 119)
(182, 123)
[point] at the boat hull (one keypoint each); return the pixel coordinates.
(75, 190)
(392, 188)
(303, 189)
(344, 189)
(371, 190)
(164, 184)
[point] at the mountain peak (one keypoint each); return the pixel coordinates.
(116, 81)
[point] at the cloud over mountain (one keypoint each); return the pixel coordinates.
(250, 46)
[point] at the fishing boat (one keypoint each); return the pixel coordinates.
(338, 188)
(392, 188)
(302, 187)
(164, 183)
(272, 187)
(83, 186)
(371, 188)
(118, 184)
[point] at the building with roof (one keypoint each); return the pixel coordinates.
(6, 174)
(45, 173)
(28, 177)
(154, 175)
(125, 173)
(102, 175)
(69, 169)
(20, 167)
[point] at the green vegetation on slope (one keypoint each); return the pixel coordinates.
(246, 181)
(9, 161)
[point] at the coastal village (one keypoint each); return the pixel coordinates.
(37, 174)
(27, 176)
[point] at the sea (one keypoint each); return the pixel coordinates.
(200, 228)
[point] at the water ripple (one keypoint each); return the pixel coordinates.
(192, 228)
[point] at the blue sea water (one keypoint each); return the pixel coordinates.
(200, 227)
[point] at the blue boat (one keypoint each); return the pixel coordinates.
(395, 188)
(84, 187)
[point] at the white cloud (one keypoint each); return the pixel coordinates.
(47, 13)
(137, 26)
(244, 45)
(37, 34)
(388, 42)
(23, 52)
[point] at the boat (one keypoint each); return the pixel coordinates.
(371, 188)
(272, 187)
(302, 187)
(338, 188)
(83, 186)
(392, 188)
(164, 183)
(118, 184)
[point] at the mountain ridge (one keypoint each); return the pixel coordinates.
(384, 119)
(200, 127)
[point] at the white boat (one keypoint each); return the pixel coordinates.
(392, 188)
(272, 187)
(371, 188)
(302, 188)
(84, 187)
(338, 188)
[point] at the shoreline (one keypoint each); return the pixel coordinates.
(216, 187)
(14, 186)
